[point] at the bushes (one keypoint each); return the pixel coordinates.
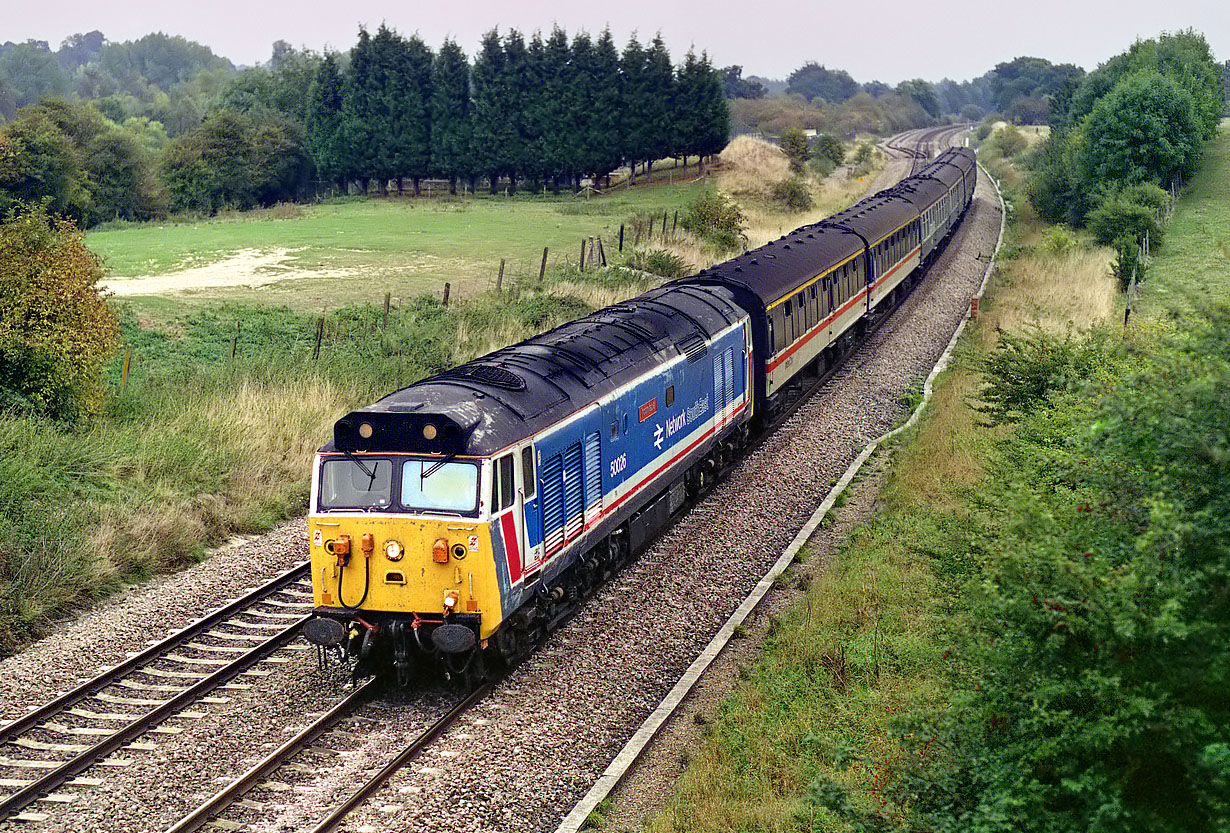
(657, 262)
(56, 330)
(1117, 217)
(794, 145)
(1010, 140)
(716, 218)
(792, 194)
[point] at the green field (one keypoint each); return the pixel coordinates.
(1188, 272)
(353, 251)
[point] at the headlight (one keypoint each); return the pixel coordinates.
(392, 550)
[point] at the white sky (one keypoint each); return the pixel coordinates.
(888, 40)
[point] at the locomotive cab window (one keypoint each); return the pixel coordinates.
(443, 487)
(356, 483)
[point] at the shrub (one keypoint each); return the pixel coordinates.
(792, 194)
(56, 329)
(1058, 241)
(1024, 371)
(1128, 262)
(717, 219)
(1010, 140)
(822, 166)
(794, 145)
(1117, 216)
(657, 262)
(829, 147)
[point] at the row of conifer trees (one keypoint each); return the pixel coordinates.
(548, 111)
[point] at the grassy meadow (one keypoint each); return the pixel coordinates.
(826, 731)
(213, 429)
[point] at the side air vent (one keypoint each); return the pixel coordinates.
(694, 348)
(500, 377)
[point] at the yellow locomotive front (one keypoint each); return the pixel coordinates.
(402, 560)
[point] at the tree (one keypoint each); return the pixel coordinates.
(814, 81)
(46, 166)
(56, 329)
(451, 114)
(794, 144)
(325, 135)
(600, 90)
(659, 99)
(922, 94)
(735, 86)
(406, 148)
(32, 73)
(280, 164)
(495, 137)
(361, 113)
(1147, 129)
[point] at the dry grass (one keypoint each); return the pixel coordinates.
(269, 432)
(1061, 293)
(747, 166)
(747, 169)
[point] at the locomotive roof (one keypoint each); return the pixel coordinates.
(497, 400)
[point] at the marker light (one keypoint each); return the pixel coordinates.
(392, 550)
(365, 430)
(429, 431)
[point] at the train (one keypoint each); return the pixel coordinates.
(456, 521)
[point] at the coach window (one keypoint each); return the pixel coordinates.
(670, 396)
(527, 471)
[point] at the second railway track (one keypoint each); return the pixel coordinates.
(54, 743)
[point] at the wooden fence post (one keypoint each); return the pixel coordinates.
(649, 236)
(388, 298)
(446, 289)
(320, 333)
(499, 279)
(581, 261)
(542, 270)
(235, 340)
(621, 237)
(601, 251)
(664, 224)
(675, 224)
(124, 374)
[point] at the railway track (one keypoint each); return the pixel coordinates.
(229, 808)
(52, 745)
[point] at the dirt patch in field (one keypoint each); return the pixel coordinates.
(246, 267)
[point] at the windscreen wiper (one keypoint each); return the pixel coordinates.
(371, 475)
(426, 473)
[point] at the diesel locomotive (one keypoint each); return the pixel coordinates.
(457, 520)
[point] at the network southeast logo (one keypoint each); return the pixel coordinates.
(677, 423)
